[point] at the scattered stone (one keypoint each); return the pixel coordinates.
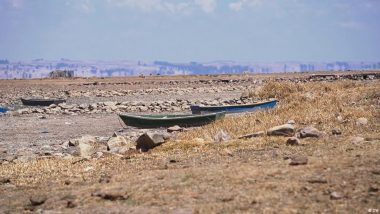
(150, 140)
(221, 136)
(339, 119)
(291, 122)
(37, 200)
(317, 180)
(293, 141)
(336, 195)
(361, 121)
(282, 130)
(298, 160)
(309, 132)
(4, 180)
(44, 131)
(42, 117)
(175, 128)
(336, 132)
(373, 188)
(71, 204)
(256, 134)
(373, 138)
(104, 179)
(111, 194)
(376, 171)
(357, 140)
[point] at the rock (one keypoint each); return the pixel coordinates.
(361, 121)
(4, 180)
(336, 132)
(88, 145)
(282, 130)
(309, 132)
(112, 194)
(357, 140)
(317, 180)
(298, 160)
(93, 106)
(339, 119)
(221, 136)
(24, 111)
(256, 134)
(373, 188)
(150, 140)
(291, 122)
(104, 179)
(175, 128)
(372, 138)
(83, 106)
(116, 144)
(37, 200)
(336, 195)
(293, 141)
(143, 108)
(109, 103)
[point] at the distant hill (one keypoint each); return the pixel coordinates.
(40, 68)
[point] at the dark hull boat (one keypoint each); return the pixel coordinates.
(41, 102)
(3, 110)
(156, 121)
(195, 109)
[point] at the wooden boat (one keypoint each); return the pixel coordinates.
(3, 110)
(41, 101)
(155, 121)
(195, 109)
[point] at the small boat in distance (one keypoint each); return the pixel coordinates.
(196, 109)
(41, 101)
(3, 110)
(156, 121)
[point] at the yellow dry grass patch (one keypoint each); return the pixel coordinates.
(317, 104)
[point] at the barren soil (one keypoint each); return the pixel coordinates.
(193, 174)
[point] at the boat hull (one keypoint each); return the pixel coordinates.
(41, 102)
(156, 121)
(195, 109)
(3, 110)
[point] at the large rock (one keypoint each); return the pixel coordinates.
(150, 140)
(283, 130)
(118, 144)
(309, 132)
(87, 146)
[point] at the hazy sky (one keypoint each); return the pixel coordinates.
(191, 30)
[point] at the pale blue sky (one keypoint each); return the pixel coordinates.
(191, 30)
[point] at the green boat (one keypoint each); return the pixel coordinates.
(156, 121)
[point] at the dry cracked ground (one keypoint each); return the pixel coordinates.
(337, 171)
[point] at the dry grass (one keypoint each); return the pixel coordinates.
(309, 104)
